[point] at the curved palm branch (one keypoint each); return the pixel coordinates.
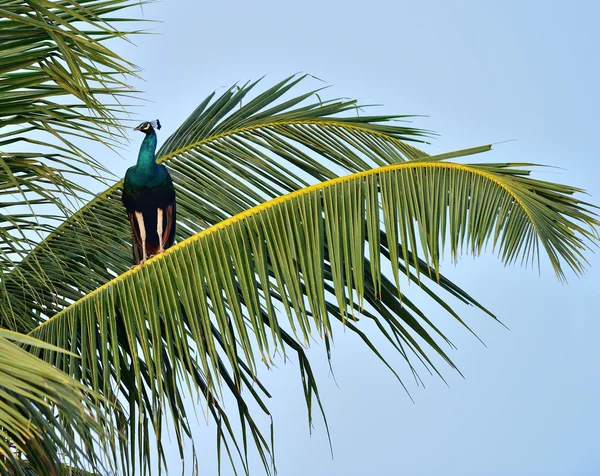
(55, 78)
(225, 158)
(254, 151)
(206, 309)
(34, 439)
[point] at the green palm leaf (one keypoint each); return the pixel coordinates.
(251, 146)
(206, 308)
(34, 438)
(225, 158)
(233, 154)
(58, 84)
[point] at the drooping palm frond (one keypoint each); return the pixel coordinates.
(263, 148)
(34, 439)
(228, 156)
(206, 309)
(56, 72)
(59, 83)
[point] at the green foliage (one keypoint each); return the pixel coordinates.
(41, 409)
(225, 158)
(297, 216)
(255, 237)
(58, 84)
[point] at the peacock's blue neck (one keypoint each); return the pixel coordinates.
(146, 160)
(146, 173)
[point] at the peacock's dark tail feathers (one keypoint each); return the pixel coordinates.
(150, 224)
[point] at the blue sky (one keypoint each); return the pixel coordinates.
(482, 72)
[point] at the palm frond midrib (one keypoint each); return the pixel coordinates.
(511, 187)
(114, 190)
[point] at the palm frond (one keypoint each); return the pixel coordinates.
(59, 83)
(225, 159)
(48, 53)
(228, 156)
(94, 246)
(46, 419)
(206, 309)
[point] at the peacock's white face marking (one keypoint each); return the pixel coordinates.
(148, 125)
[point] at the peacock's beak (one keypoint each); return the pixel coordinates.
(138, 128)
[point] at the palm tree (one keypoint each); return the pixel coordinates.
(297, 217)
(58, 83)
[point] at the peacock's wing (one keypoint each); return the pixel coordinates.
(136, 238)
(130, 199)
(169, 224)
(149, 222)
(169, 212)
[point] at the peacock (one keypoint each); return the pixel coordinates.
(149, 198)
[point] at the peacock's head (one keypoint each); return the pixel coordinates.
(148, 126)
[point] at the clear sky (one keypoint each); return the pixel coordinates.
(483, 72)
